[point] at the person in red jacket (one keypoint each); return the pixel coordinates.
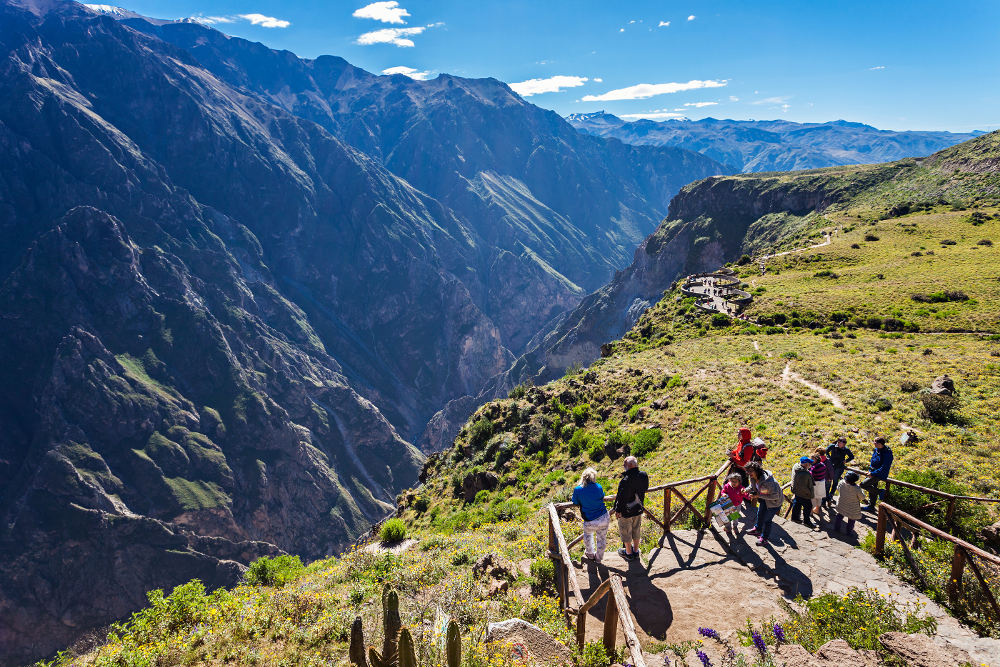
(742, 454)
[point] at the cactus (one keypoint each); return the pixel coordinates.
(398, 649)
(407, 653)
(454, 645)
(357, 650)
(390, 623)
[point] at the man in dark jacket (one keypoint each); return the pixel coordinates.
(628, 507)
(838, 455)
(878, 470)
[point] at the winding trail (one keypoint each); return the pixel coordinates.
(789, 375)
(789, 252)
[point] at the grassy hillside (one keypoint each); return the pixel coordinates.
(871, 318)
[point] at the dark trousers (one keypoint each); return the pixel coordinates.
(831, 484)
(871, 486)
(765, 516)
(839, 521)
(801, 506)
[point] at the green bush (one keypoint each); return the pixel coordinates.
(633, 413)
(420, 504)
(519, 391)
(593, 654)
(675, 381)
(393, 530)
(482, 497)
(480, 431)
(276, 571)
(543, 571)
(646, 440)
(720, 320)
(596, 452)
(858, 617)
(617, 439)
(939, 408)
(581, 413)
(968, 518)
(583, 441)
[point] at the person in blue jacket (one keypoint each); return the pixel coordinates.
(589, 495)
(878, 471)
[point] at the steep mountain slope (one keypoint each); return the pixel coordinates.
(772, 145)
(223, 325)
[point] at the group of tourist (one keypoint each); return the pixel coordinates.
(819, 480)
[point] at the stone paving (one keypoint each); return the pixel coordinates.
(696, 579)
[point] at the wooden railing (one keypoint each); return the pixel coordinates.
(951, 498)
(891, 519)
(572, 603)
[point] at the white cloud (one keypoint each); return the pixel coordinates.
(397, 36)
(632, 21)
(663, 24)
(691, 18)
(407, 71)
(651, 115)
(733, 98)
(212, 20)
(621, 29)
(387, 11)
(597, 80)
(781, 99)
(265, 21)
(877, 67)
(641, 91)
(553, 84)
(698, 105)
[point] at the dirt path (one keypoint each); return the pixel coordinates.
(789, 252)
(789, 375)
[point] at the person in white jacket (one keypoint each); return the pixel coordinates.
(849, 497)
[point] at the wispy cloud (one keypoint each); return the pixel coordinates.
(663, 24)
(212, 20)
(407, 71)
(691, 18)
(265, 21)
(397, 36)
(733, 98)
(877, 67)
(553, 84)
(698, 105)
(780, 99)
(651, 115)
(642, 91)
(388, 11)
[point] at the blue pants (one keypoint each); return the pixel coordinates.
(801, 506)
(765, 515)
(831, 484)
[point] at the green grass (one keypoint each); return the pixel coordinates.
(197, 494)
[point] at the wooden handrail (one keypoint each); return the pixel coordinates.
(933, 492)
(628, 623)
(912, 520)
(567, 562)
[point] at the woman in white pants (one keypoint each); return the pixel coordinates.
(590, 497)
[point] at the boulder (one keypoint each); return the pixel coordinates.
(991, 534)
(660, 403)
(943, 385)
(475, 482)
(528, 643)
(922, 651)
(838, 652)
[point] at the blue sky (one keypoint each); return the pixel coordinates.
(894, 65)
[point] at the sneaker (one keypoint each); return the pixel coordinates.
(761, 540)
(809, 524)
(753, 531)
(624, 554)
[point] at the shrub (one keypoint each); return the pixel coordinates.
(968, 517)
(871, 237)
(947, 242)
(420, 504)
(646, 440)
(720, 320)
(593, 654)
(480, 431)
(855, 246)
(482, 497)
(859, 617)
(773, 330)
(276, 571)
(743, 260)
(394, 530)
(985, 242)
(619, 439)
(633, 413)
(791, 355)
(519, 391)
(825, 273)
(581, 413)
(596, 452)
(909, 386)
(939, 408)
(882, 404)
(543, 571)
(675, 381)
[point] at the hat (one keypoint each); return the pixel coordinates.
(805, 459)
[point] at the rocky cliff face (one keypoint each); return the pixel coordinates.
(223, 324)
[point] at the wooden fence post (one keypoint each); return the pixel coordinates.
(880, 531)
(954, 587)
(950, 514)
(581, 629)
(709, 499)
(611, 625)
(666, 510)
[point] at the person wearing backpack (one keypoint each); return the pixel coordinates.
(802, 491)
(628, 507)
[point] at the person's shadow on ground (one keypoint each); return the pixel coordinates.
(650, 605)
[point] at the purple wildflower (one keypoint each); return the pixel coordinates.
(704, 658)
(758, 641)
(779, 633)
(708, 632)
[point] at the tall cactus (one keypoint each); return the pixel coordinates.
(398, 649)
(390, 623)
(453, 646)
(356, 654)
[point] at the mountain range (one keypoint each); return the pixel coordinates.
(772, 145)
(236, 286)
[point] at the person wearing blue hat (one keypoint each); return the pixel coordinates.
(802, 492)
